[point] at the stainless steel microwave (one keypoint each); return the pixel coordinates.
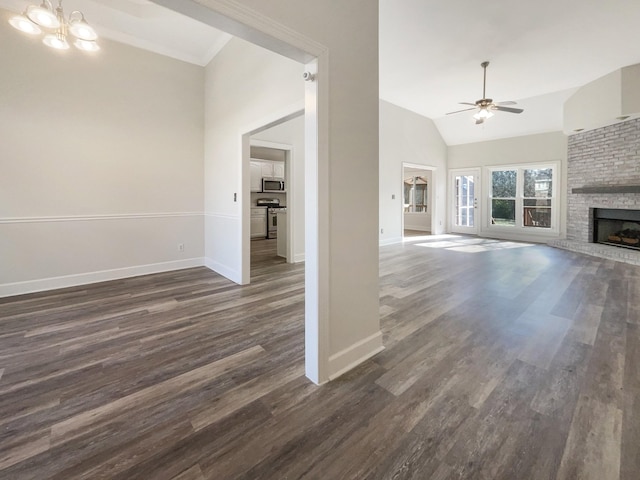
(271, 185)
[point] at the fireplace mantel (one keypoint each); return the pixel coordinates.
(607, 189)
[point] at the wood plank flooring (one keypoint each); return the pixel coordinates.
(502, 361)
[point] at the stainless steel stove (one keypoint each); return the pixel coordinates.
(273, 207)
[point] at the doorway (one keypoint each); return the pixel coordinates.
(417, 200)
(227, 174)
(277, 218)
(465, 191)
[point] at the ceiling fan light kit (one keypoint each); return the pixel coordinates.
(44, 18)
(485, 106)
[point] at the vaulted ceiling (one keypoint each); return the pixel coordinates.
(540, 52)
(430, 52)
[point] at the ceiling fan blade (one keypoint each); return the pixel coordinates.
(458, 111)
(467, 103)
(508, 102)
(508, 109)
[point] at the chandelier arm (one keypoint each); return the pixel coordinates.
(76, 12)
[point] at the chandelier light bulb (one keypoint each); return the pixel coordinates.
(81, 29)
(59, 42)
(43, 16)
(22, 23)
(86, 45)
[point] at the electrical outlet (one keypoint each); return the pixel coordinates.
(382, 230)
(235, 197)
(181, 247)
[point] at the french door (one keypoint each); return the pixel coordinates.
(465, 192)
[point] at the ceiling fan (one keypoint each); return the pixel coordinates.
(486, 105)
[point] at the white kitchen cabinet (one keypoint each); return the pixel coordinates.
(278, 170)
(267, 168)
(256, 176)
(258, 222)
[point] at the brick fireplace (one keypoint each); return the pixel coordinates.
(603, 173)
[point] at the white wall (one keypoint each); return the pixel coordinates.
(544, 147)
(406, 137)
(347, 252)
(291, 133)
(243, 84)
(101, 163)
(600, 103)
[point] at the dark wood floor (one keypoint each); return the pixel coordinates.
(502, 361)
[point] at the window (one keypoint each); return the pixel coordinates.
(464, 201)
(537, 197)
(523, 197)
(503, 197)
(415, 194)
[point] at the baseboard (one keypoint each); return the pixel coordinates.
(390, 241)
(354, 355)
(298, 258)
(417, 228)
(223, 270)
(52, 283)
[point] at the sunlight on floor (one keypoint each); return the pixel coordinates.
(459, 243)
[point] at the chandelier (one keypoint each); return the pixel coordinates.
(56, 27)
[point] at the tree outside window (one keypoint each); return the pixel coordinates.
(503, 201)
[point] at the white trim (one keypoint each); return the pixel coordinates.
(267, 144)
(223, 270)
(292, 186)
(298, 258)
(39, 285)
(354, 355)
(221, 215)
(391, 241)
(107, 216)
(241, 21)
(278, 117)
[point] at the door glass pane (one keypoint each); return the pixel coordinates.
(464, 201)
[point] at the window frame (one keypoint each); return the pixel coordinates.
(519, 227)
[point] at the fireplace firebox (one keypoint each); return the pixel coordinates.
(617, 227)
